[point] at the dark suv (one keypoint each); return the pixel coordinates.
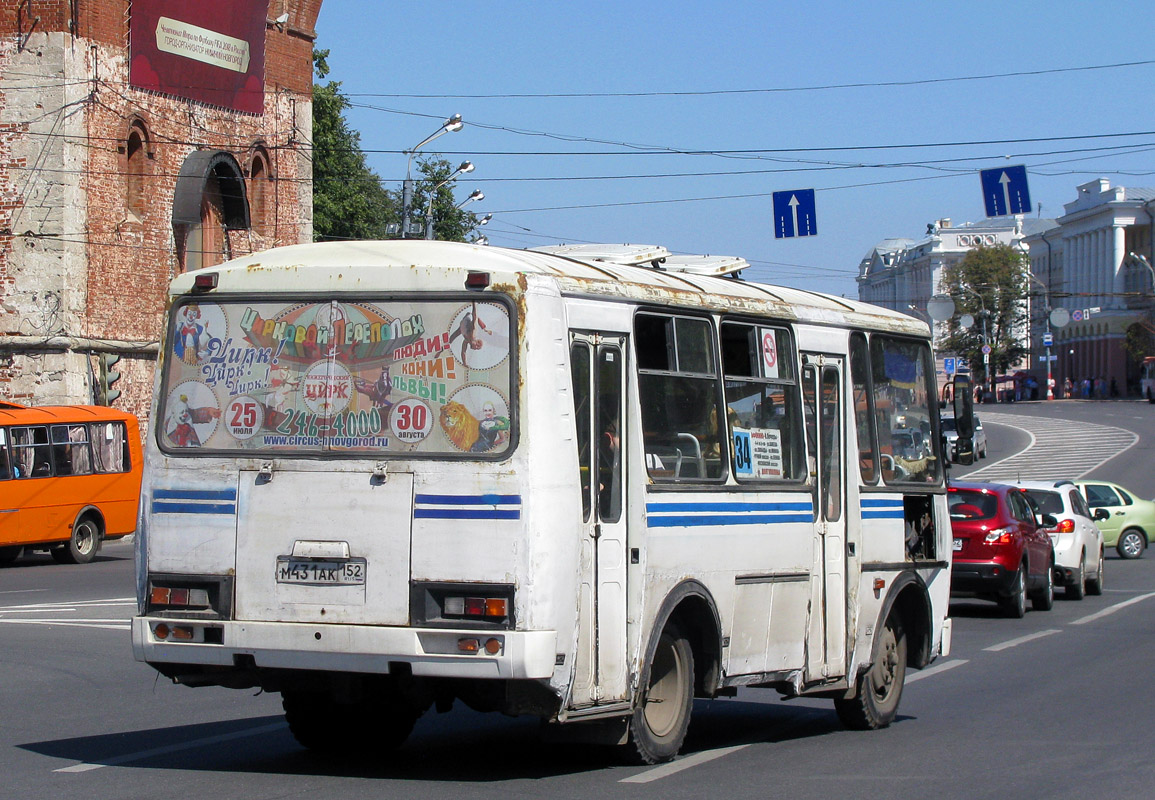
(1001, 551)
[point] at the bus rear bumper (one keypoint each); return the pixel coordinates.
(346, 648)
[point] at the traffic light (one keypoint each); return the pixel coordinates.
(105, 394)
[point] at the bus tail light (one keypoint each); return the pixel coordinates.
(477, 280)
(485, 607)
(175, 597)
(493, 645)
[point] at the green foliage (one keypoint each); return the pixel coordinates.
(1140, 341)
(991, 279)
(450, 224)
(349, 201)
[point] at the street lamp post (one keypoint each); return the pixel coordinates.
(464, 167)
(1048, 338)
(983, 315)
(450, 125)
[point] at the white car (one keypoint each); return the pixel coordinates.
(951, 433)
(1076, 539)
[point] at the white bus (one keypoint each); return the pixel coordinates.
(584, 483)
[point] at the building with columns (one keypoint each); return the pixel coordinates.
(1085, 266)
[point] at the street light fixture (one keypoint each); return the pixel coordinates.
(477, 194)
(463, 168)
(450, 125)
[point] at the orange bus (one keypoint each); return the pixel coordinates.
(69, 479)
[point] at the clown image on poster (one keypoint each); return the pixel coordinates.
(479, 335)
(196, 325)
(476, 419)
(192, 414)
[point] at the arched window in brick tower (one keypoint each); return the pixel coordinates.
(137, 168)
(209, 202)
(260, 192)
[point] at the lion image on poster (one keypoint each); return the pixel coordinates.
(459, 425)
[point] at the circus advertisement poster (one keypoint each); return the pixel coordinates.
(426, 378)
(211, 51)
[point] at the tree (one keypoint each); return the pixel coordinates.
(450, 223)
(990, 284)
(349, 201)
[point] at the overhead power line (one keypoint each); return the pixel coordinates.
(767, 90)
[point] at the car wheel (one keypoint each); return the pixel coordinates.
(875, 704)
(1132, 543)
(1075, 590)
(82, 546)
(660, 721)
(1044, 599)
(1014, 604)
(1095, 585)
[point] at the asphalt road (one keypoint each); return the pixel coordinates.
(1051, 705)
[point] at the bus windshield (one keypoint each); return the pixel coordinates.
(391, 377)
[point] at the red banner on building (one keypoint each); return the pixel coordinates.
(211, 51)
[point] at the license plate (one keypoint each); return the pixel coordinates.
(314, 572)
(957, 545)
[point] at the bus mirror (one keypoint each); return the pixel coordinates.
(964, 408)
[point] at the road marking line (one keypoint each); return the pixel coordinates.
(935, 670)
(1112, 609)
(86, 766)
(108, 624)
(666, 770)
(995, 648)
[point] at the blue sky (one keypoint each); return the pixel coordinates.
(572, 111)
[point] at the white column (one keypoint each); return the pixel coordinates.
(1119, 244)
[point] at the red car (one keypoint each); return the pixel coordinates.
(1001, 551)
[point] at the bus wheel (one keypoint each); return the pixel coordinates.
(320, 723)
(10, 554)
(875, 705)
(82, 547)
(662, 717)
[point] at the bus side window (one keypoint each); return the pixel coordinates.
(679, 397)
(5, 459)
(32, 451)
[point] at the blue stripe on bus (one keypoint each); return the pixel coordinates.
(465, 513)
(744, 519)
(162, 507)
(734, 507)
(195, 494)
(887, 514)
(468, 499)
(871, 502)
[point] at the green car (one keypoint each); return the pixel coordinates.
(1127, 522)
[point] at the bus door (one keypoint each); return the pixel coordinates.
(599, 380)
(823, 403)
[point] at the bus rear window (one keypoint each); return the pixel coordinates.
(392, 377)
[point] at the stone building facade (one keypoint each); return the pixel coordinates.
(134, 146)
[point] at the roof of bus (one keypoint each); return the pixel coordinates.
(425, 265)
(15, 414)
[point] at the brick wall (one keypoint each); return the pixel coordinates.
(75, 260)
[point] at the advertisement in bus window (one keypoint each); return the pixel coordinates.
(419, 378)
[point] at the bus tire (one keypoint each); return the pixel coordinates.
(10, 554)
(82, 545)
(875, 704)
(662, 716)
(320, 723)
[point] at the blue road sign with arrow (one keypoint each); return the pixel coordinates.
(794, 214)
(1005, 191)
